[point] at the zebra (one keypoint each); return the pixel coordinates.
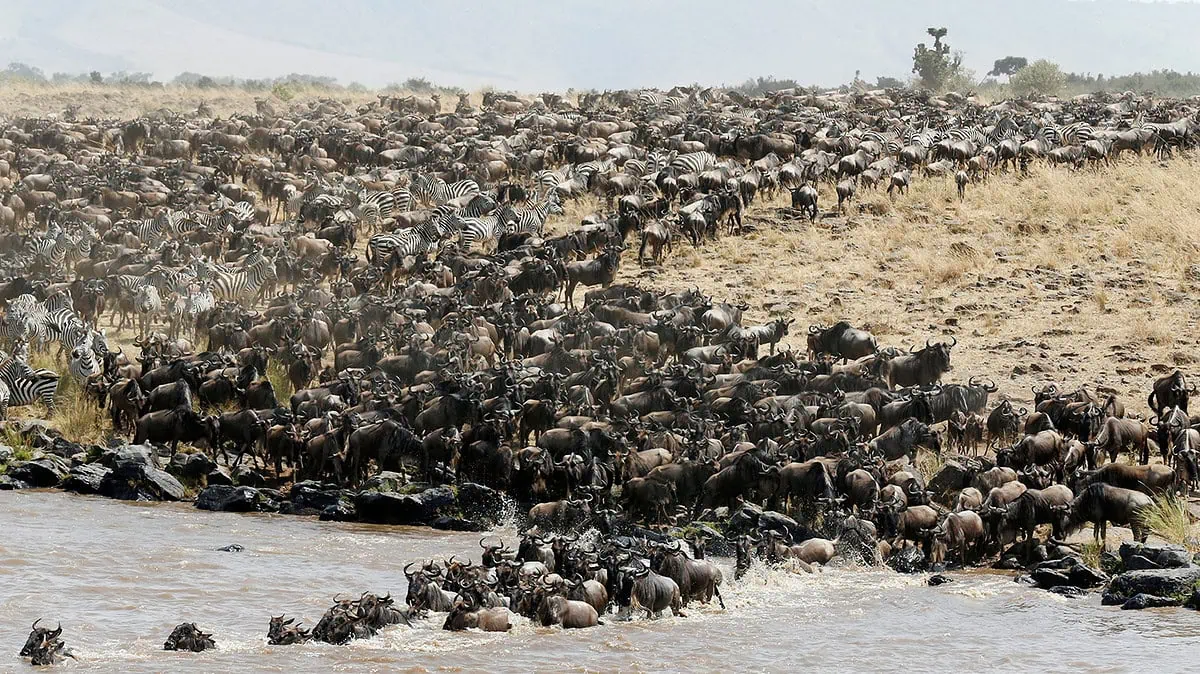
(480, 230)
(242, 285)
(418, 240)
(83, 362)
(533, 220)
(186, 307)
(147, 303)
(375, 206)
(694, 162)
(436, 191)
(26, 385)
(478, 207)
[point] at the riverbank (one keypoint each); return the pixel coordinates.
(118, 601)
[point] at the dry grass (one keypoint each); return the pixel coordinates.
(277, 375)
(1169, 519)
(929, 463)
(1090, 552)
(1079, 277)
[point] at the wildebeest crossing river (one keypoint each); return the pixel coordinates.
(121, 575)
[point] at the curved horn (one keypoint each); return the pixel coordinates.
(35, 624)
(927, 345)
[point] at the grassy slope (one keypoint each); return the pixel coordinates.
(1076, 277)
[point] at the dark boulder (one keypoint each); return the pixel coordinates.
(141, 454)
(315, 495)
(219, 476)
(86, 479)
(136, 477)
(45, 471)
(938, 579)
(389, 508)
(1193, 602)
(951, 478)
(1069, 591)
(1141, 601)
(1085, 576)
(1154, 556)
(248, 477)
(445, 523)
(232, 547)
(480, 502)
(191, 466)
(9, 483)
(1179, 582)
(1048, 578)
(386, 481)
(339, 512)
(224, 498)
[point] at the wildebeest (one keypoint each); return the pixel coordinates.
(1102, 503)
(188, 637)
(840, 341)
(919, 367)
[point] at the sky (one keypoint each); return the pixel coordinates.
(534, 45)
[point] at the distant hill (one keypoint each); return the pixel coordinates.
(535, 45)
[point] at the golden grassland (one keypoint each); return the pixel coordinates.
(30, 99)
(1078, 277)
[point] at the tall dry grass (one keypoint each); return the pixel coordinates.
(1169, 519)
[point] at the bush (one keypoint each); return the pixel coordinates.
(283, 92)
(1041, 78)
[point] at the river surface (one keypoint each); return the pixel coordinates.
(121, 575)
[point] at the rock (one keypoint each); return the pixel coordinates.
(1178, 582)
(769, 519)
(135, 477)
(1193, 602)
(951, 478)
(1010, 563)
(455, 524)
(248, 477)
(480, 502)
(338, 512)
(192, 466)
(1083, 575)
(385, 481)
(219, 476)
(6, 453)
(233, 547)
(388, 508)
(938, 579)
(225, 498)
(37, 433)
(908, 560)
(46, 471)
(1110, 563)
(142, 454)
(1068, 591)
(1140, 563)
(315, 495)
(9, 483)
(1163, 556)
(86, 479)
(1048, 578)
(1141, 601)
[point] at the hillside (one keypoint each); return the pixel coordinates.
(1073, 277)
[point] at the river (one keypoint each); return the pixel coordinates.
(121, 575)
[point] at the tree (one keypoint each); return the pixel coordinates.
(883, 82)
(935, 66)
(26, 72)
(1009, 65)
(1042, 78)
(96, 77)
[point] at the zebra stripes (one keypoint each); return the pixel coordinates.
(694, 162)
(419, 240)
(26, 385)
(242, 285)
(533, 220)
(431, 190)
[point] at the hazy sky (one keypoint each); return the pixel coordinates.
(536, 44)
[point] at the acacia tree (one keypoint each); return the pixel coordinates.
(1009, 65)
(935, 67)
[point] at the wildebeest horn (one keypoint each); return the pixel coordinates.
(35, 623)
(927, 344)
(406, 573)
(1023, 412)
(953, 341)
(56, 632)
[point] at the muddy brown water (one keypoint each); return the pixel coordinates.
(121, 575)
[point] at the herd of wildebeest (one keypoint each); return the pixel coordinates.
(453, 346)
